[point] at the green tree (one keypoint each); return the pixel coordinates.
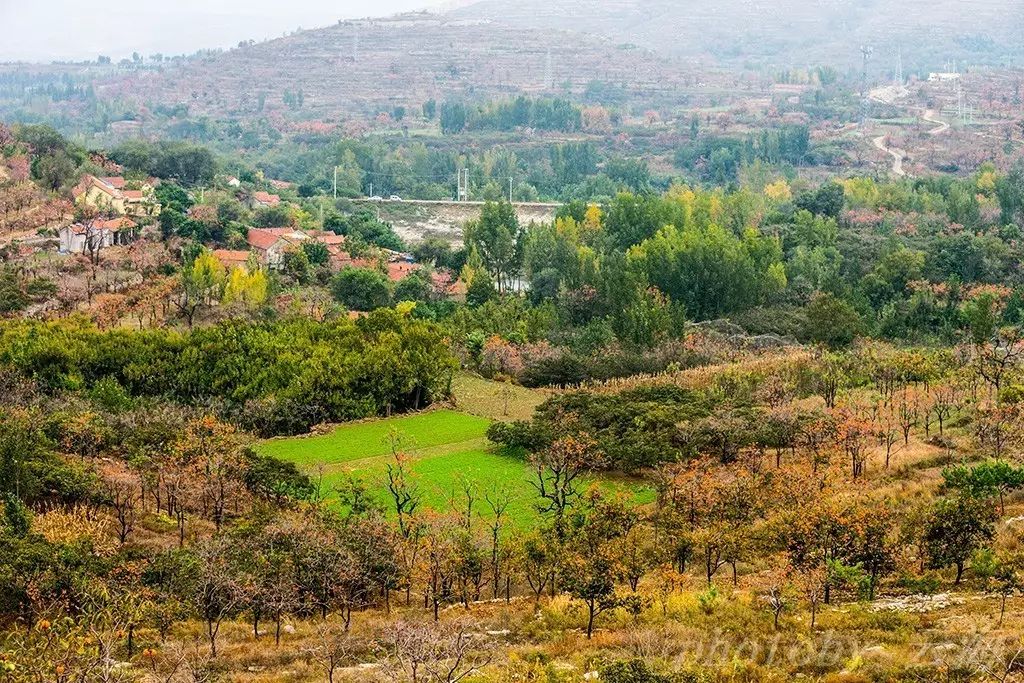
(498, 239)
(955, 529)
(361, 289)
(1010, 191)
(711, 272)
(296, 265)
(316, 253)
(417, 286)
(453, 117)
(831, 321)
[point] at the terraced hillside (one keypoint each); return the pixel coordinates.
(370, 66)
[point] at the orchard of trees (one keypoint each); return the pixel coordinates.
(778, 477)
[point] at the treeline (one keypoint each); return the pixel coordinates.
(428, 169)
(270, 377)
(718, 160)
(522, 112)
(183, 162)
(917, 261)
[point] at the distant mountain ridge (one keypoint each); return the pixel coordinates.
(784, 32)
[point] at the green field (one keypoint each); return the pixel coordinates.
(446, 447)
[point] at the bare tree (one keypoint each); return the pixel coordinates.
(333, 648)
(498, 500)
(217, 593)
(421, 652)
(557, 471)
(124, 494)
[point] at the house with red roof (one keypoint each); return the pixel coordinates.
(80, 238)
(269, 246)
(263, 200)
(112, 195)
(399, 270)
(232, 258)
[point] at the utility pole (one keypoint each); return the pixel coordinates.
(510, 200)
(462, 193)
(335, 182)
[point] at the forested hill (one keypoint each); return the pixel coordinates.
(786, 32)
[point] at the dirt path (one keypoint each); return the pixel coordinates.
(930, 117)
(896, 153)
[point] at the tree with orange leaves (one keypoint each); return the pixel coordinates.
(853, 434)
(214, 452)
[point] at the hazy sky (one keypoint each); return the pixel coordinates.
(45, 30)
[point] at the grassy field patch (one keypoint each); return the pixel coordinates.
(365, 440)
(447, 448)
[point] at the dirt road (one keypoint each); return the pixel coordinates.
(942, 126)
(896, 153)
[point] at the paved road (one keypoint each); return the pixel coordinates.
(449, 202)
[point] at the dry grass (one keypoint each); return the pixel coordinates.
(495, 400)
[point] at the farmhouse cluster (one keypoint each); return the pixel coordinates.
(114, 211)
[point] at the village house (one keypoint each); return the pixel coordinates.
(270, 244)
(263, 200)
(111, 195)
(232, 258)
(81, 238)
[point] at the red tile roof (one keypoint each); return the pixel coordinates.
(116, 223)
(331, 239)
(132, 194)
(400, 269)
(345, 260)
(282, 232)
(229, 257)
(113, 225)
(266, 198)
(116, 182)
(262, 239)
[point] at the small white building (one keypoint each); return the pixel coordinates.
(83, 238)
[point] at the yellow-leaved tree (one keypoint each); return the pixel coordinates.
(246, 287)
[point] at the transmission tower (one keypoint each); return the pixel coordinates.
(547, 71)
(899, 66)
(960, 101)
(866, 51)
(355, 43)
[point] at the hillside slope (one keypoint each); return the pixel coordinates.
(399, 61)
(785, 32)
